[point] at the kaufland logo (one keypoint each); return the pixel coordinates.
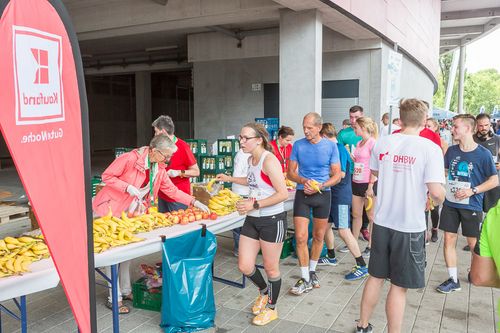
(38, 76)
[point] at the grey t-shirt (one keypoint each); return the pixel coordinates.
(493, 145)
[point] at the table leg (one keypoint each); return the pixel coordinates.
(114, 292)
(24, 315)
(0, 320)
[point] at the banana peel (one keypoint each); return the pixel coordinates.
(315, 185)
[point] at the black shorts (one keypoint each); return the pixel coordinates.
(398, 256)
(268, 228)
(320, 204)
(359, 189)
(451, 218)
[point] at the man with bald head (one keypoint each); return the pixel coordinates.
(314, 161)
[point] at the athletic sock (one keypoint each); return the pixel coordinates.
(274, 291)
(453, 272)
(304, 272)
(312, 265)
(331, 253)
(360, 261)
(257, 279)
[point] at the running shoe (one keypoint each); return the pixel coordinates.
(366, 253)
(266, 316)
(344, 249)
(449, 286)
(314, 280)
(327, 261)
(357, 272)
(366, 234)
(434, 237)
(368, 329)
(302, 286)
(260, 304)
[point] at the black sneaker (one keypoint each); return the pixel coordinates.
(367, 329)
(434, 237)
(302, 286)
(314, 280)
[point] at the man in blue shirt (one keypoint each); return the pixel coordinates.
(470, 173)
(312, 161)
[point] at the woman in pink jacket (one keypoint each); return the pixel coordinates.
(133, 181)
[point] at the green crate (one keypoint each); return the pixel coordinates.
(122, 150)
(144, 298)
(207, 175)
(287, 248)
(208, 163)
(228, 146)
(198, 147)
(96, 180)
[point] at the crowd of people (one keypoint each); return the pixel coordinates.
(379, 186)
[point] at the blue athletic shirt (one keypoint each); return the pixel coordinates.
(474, 167)
(342, 192)
(314, 160)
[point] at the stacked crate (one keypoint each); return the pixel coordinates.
(227, 149)
(199, 148)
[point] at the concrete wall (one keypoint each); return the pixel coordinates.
(413, 24)
(224, 100)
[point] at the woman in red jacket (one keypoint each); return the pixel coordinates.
(282, 146)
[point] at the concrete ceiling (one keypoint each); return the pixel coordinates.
(464, 21)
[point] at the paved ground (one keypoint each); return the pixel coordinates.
(332, 308)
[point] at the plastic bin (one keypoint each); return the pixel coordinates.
(96, 180)
(145, 298)
(228, 146)
(198, 147)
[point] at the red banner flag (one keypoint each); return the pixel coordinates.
(41, 121)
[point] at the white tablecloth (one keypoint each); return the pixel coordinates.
(44, 276)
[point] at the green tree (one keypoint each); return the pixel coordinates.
(482, 89)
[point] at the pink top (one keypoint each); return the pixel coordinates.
(130, 169)
(362, 154)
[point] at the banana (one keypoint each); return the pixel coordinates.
(315, 185)
(369, 203)
(3, 246)
(42, 252)
(214, 205)
(25, 239)
(17, 264)
(12, 240)
(25, 265)
(39, 247)
(209, 185)
(10, 265)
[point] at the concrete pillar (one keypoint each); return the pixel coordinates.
(461, 77)
(143, 107)
(301, 43)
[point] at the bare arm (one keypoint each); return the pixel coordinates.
(192, 171)
(293, 174)
(483, 272)
(436, 192)
(228, 179)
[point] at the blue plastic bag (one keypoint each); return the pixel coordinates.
(188, 297)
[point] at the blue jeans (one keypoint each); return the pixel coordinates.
(166, 206)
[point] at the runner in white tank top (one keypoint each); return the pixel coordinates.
(261, 188)
(265, 225)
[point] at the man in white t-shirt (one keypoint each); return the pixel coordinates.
(407, 166)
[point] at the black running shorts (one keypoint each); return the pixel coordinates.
(320, 203)
(268, 228)
(451, 218)
(398, 256)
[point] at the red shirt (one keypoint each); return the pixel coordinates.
(282, 153)
(428, 134)
(182, 159)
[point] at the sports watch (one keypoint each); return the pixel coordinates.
(474, 190)
(256, 205)
(183, 173)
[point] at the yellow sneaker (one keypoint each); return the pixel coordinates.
(265, 317)
(260, 304)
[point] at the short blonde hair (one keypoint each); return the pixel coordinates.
(412, 112)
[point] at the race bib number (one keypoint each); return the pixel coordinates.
(452, 186)
(358, 172)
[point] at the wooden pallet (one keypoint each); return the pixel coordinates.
(12, 213)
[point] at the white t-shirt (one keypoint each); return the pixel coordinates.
(385, 129)
(241, 166)
(405, 163)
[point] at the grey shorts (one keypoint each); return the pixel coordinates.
(398, 256)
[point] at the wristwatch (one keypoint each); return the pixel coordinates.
(256, 205)
(183, 173)
(474, 190)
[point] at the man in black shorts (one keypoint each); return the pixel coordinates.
(471, 172)
(407, 166)
(312, 161)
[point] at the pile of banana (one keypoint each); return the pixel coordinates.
(224, 202)
(110, 231)
(17, 254)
